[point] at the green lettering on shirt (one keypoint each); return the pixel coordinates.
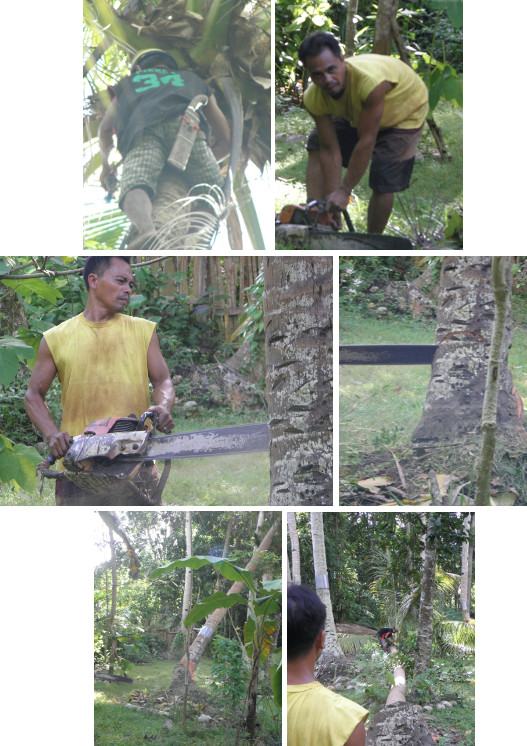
(145, 80)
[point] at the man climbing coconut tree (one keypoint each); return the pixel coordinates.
(148, 115)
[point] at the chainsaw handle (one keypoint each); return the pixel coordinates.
(152, 416)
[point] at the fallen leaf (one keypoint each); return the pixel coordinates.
(374, 483)
(504, 498)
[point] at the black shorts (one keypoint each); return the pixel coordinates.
(393, 155)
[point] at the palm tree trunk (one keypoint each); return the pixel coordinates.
(426, 607)
(295, 547)
(298, 347)
(332, 646)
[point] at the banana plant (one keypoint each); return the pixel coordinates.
(263, 607)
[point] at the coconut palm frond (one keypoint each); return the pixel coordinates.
(350, 644)
(456, 638)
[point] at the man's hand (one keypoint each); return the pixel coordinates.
(338, 200)
(166, 423)
(59, 444)
(109, 177)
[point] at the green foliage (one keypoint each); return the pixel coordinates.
(296, 21)
(230, 673)
(17, 464)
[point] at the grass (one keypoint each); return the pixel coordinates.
(115, 724)
(381, 405)
(420, 213)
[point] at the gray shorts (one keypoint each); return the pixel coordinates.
(393, 155)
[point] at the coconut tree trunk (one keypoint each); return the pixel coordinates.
(467, 549)
(465, 316)
(187, 592)
(426, 606)
(113, 608)
(332, 647)
(201, 642)
(297, 305)
(295, 547)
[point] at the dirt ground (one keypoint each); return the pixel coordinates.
(435, 475)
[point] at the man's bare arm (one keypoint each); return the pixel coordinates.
(367, 130)
(106, 141)
(163, 393)
(358, 737)
(35, 402)
(330, 156)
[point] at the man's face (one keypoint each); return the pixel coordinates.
(115, 286)
(328, 72)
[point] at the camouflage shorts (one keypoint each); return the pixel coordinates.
(148, 154)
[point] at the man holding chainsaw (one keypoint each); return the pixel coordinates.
(368, 108)
(104, 360)
(146, 113)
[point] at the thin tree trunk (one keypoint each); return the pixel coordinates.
(426, 607)
(332, 646)
(295, 547)
(351, 27)
(113, 608)
(501, 270)
(383, 36)
(201, 642)
(187, 592)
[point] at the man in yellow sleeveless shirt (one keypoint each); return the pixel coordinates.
(104, 360)
(316, 716)
(370, 107)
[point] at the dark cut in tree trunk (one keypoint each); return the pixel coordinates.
(465, 318)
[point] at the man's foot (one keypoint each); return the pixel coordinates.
(142, 241)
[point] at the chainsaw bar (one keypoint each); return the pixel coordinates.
(214, 442)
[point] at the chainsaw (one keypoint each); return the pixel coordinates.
(319, 223)
(313, 214)
(116, 454)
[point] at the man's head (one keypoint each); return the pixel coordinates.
(320, 53)
(109, 279)
(306, 618)
(153, 58)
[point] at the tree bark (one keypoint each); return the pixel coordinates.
(502, 278)
(426, 606)
(295, 548)
(351, 27)
(298, 347)
(187, 592)
(467, 549)
(465, 316)
(331, 647)
(111, 620)
(201, 642)
(383, 36)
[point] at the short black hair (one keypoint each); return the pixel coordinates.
(315, 43)
(306, 618)
(97, 265)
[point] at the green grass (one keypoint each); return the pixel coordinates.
(435, 189)
(381, 405)
(115, 724)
